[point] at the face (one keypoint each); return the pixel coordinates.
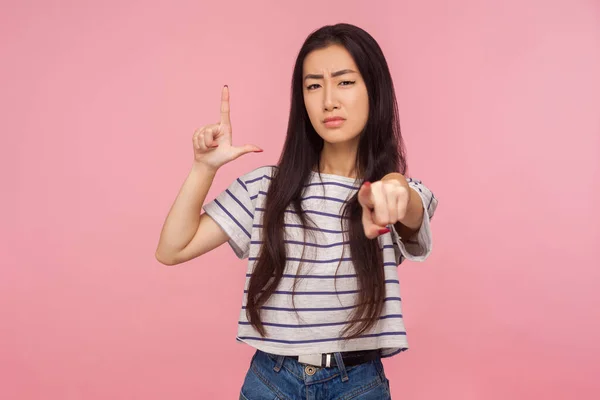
(335, 95)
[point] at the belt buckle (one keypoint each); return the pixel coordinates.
(311, 359)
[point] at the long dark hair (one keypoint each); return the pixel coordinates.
(380, 151)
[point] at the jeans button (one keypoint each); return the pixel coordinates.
(310, 370)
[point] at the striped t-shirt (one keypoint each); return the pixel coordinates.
(322, 304)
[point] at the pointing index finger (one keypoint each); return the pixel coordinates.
(225, 106)
(364, 195)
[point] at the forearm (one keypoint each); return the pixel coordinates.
(184, 216)
(411, 223)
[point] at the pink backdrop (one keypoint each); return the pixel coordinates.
(500, 109)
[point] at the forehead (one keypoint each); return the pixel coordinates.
(331, 58)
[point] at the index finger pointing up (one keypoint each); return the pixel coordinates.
(225, 106)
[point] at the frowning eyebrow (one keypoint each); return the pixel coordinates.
(333, 75)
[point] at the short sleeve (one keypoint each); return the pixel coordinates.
(418, 247)
(233, 210)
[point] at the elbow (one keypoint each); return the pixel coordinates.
(164, 259)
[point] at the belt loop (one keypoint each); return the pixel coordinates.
(341, 366)
(280, 360)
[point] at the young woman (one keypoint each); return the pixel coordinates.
(324, 230)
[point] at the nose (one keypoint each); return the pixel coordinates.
(329, 102)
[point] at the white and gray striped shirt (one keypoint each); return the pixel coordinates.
(322, 304)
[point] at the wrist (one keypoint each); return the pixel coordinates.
(200, 167)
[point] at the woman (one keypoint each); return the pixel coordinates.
(322, 302)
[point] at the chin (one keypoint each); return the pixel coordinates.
(337, 136)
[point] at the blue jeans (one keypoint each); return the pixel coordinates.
(273, 377)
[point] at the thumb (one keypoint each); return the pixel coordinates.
(239, 151)
(371, 229)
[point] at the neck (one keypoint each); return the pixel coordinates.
(339, 159)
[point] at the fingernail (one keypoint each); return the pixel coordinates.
(382, 231)
(215, 145)
(258, 151)
(367, 183)
(226, 86)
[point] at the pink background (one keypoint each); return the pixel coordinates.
(500, 109)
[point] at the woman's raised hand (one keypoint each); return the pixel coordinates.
(212, 143)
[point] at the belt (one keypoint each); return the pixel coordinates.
(327, 360)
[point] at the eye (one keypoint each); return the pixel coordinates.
(348, 82)
(310, 87)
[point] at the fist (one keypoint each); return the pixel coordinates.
(383, 202)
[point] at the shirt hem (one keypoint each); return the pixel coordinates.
(385, 346)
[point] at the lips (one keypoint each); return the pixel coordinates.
(333, 122)
(330, 119)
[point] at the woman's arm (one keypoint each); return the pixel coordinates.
(182, 225)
